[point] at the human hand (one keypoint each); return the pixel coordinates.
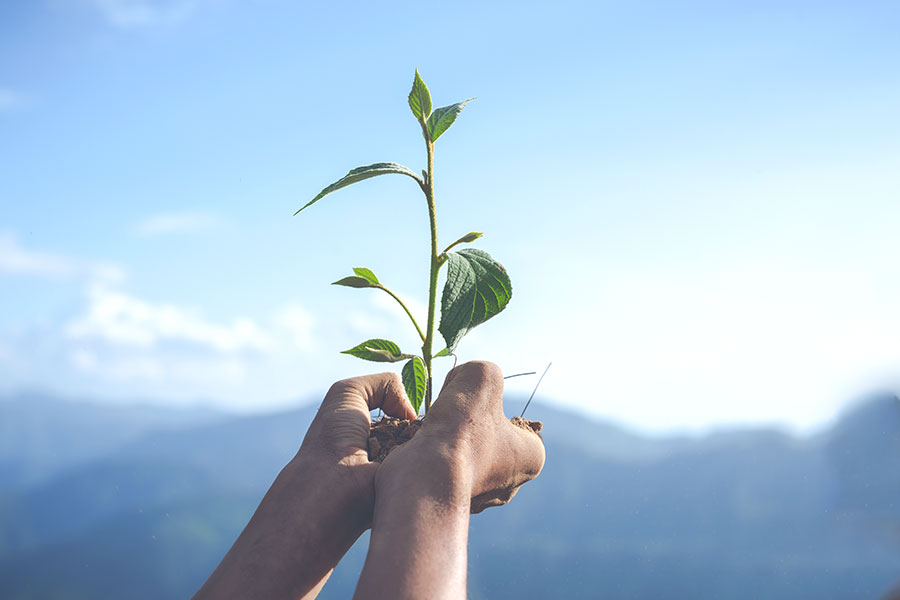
(319, 504)
(336, 444)
(467, 431)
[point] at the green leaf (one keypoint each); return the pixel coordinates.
(354, 282)
(477, 288)
(360, 173)
(364, 278)
(366, 274)
(442, 118)
(466, 239)
(420, 98)
(444, 352)
(415, 380)
(377, 350)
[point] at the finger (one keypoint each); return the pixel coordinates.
(475, 379)
(491, 499)
(529, 451)
(382, 390)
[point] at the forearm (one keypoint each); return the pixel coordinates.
(419, 534)
(304, 525)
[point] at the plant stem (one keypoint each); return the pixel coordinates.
(409, 314)
(435, 266)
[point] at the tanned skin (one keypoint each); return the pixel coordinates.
(466, 457)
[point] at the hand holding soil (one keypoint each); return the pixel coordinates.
(467, 429)
(337, 439)
(465, 457)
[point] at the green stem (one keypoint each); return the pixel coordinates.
(435, 266)
(409, 314)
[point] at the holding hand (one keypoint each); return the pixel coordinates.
(466, 456)
(319, 504)
(467, 430)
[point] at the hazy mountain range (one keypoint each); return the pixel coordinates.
(103, 502)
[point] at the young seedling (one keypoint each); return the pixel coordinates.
(477, 287)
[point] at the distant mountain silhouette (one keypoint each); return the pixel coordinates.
(100, 503)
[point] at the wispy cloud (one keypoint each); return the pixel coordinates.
(121, 339)
(297, 324)
(114, 340)
(145, 13)
(175, 223)
(15, 260)
(11, 100)
(122, 319)
(383, 315)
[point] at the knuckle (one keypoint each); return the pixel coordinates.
(485, 370)
(393, 379)
(340, 387)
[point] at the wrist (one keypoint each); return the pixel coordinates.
(441, 471)
(340, 496)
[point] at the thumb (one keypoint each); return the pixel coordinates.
(384, 391)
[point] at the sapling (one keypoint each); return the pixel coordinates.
(477, 287)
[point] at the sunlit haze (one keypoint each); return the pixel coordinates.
(698, 205)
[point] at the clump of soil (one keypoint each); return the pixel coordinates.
(389, 433)
(524, 423)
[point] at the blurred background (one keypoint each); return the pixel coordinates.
(697, 203)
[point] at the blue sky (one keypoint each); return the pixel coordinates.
(698, 204)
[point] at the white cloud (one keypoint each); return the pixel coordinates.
(296, 323)
(383, 315)
(6, 354)
(121, 319)
(16, 260)
(167, 371)
(145, 13)
(120, 341)
(173, 223)
(10, 100)
(119, 344)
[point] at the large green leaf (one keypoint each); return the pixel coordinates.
(420, 98)
(442, 118)
(378, 350)
(477, 288)
(415, 380)
(360, 173)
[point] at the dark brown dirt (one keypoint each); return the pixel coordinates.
(388, 433)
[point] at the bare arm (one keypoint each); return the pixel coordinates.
(467, 456)
(318, 505)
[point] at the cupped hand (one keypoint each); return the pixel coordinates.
(466, 427)
(337, 440)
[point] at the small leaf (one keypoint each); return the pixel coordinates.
(477, 288)
(466, 239)
(420, 98)
(442, 118)
(444, 352)
(354, 282)
(366, 274)
(360, 173)
(415, 380)
(377, 350)
(469, 237)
